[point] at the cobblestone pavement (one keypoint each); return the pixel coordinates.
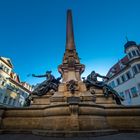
(120, 136)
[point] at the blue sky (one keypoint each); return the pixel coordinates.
(33, 33)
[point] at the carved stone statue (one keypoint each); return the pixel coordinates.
(49, 84)
(92, 81)
(72, 86)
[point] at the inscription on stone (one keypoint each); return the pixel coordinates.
(73, 100)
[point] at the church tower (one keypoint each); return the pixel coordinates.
(132, 50)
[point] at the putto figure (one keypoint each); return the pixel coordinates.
(92, 81)
(47, 85)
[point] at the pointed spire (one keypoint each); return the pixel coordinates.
(70, 45)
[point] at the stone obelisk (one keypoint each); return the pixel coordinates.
(71, 69)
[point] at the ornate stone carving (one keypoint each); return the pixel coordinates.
(72, 86)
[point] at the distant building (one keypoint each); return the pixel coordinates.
(125, 75)
(12, 91)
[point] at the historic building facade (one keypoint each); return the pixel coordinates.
(125, 75)
(12, 91)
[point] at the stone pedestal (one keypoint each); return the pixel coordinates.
(102, 100)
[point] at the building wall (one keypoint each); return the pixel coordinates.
(128, 88)
(12, 93)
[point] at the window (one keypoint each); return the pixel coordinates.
(121, 94)
(139, 88)
(23, 94)
(128, 97)
(138, 52)
(109, 84)
(134, 68)
(134, 92)
(118, 81)
(138, 65)
(1, 66)
(123, 78)
(7, 70)
(127, 94)
(5, 99)
(128, 75)
(0, 95)
(134, 53)
(2, 83)
(129, 54)
(10, 101)
(15, 77)
(20, 104)
(14, 102)
(112, 84)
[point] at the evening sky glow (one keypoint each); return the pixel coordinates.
(33, 33)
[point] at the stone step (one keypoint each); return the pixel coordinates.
(47, 133)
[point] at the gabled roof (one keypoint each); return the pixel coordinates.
(7, 61)
(15, 77)
(117, 67)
